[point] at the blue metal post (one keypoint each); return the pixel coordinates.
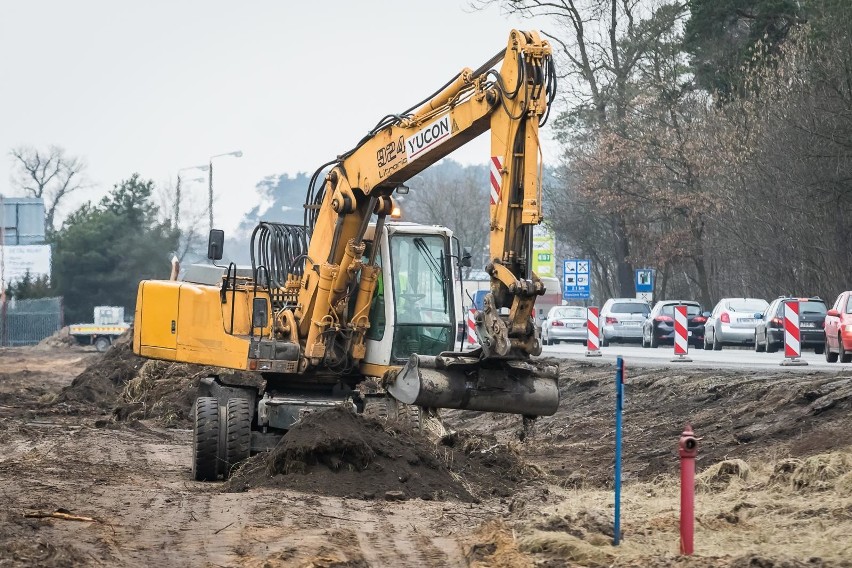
(619, 405)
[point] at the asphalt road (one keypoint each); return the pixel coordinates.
(728, 358)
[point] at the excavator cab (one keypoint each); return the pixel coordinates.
(415, 304)
(413, 319)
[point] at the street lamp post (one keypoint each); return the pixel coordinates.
(236, 154)
(203, 168)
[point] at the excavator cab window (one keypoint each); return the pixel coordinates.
(421, 294)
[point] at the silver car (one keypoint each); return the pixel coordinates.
(732, 322)
(621, 319)
(564, 323)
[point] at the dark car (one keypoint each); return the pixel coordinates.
(769, 331)
(659, 325)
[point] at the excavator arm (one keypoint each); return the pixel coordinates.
(510, 103)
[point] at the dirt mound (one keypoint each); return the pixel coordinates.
(101, 383)
(61, 339)
(737, 415)
(719, 476)
(161, 390)
(339, 453)
(816, 473)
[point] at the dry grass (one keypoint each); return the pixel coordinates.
(720, 475)
(494, 545)
(741, 509)
(820, 472)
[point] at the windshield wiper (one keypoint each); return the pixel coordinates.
(436, 266)
(427, 256)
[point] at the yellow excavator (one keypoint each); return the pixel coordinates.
(353, 308)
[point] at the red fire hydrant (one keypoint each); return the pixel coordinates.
(688, 449)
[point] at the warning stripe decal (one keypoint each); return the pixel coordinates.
(496, 179)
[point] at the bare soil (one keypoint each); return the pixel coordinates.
(97, 437)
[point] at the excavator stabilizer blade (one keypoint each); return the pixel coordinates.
(464, 381)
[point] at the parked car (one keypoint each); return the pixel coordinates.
(659, 325)
(769, 331)
(732, 321)
(621, 319)
(838, 330)
(564, 323)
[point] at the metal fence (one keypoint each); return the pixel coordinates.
(26, 322)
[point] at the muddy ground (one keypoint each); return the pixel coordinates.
(103, 440)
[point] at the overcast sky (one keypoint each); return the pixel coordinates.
(159, 85)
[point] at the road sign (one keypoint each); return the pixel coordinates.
(646, 296)
(543, 261)
(577, 279)
(644, 280)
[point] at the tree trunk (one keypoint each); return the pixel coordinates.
(623, 268)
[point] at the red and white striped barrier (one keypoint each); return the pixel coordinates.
(681, 331)
(792, 336)
(593, 341)
(471, 329)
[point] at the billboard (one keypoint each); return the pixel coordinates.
(16, 260)
(543, 257)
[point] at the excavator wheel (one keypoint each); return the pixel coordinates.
(409, 415)
(205, 441)
(376, 407)
(237, 434)
(387, 408)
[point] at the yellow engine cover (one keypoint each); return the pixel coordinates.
(188, 323)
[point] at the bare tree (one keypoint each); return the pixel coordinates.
(600, 45)
(51, 175)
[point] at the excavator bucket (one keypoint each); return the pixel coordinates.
(466, 381)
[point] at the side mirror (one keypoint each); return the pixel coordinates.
(833, 313)
(259, 313)
(465, 258)
(215, 244)
(705, 314)
(758, 315)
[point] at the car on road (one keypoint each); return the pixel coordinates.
(838, 330)
(659, 325)
(732, 322)
(769, 331)
(564, 323)
(621, 319)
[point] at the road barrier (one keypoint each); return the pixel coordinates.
(792, 334)
(681, 335)
(593, 341)
(471, 328)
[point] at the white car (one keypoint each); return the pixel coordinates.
(621, 319)
(564, 323)
(732, 321)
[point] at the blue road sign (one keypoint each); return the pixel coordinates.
(577, 279)
(644, 280)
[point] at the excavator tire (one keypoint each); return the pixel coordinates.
(237, 434)
(376, 407)
(205, 441)
(411, 416)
